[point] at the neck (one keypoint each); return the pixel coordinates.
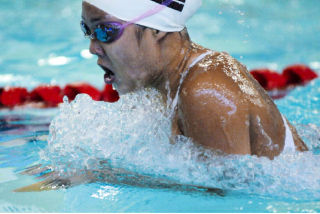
(179, 61)
(176, 62)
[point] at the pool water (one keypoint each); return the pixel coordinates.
(133, 133)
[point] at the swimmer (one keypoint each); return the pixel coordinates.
(215, 101)
(105, 174)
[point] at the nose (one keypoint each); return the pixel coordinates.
(95, 48)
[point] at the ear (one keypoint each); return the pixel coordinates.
(159, 35)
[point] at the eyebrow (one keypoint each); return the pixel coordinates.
(95, 19)
(92, 20)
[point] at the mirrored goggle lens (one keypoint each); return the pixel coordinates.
(85, 29)
(108, 33)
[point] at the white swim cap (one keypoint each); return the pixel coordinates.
(171, 18)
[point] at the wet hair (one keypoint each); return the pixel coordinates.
(140, 30)
(184, 34)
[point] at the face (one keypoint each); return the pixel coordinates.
(128, 64)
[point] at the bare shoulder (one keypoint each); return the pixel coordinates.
(222, 78)
(223, 107)
(211, 107)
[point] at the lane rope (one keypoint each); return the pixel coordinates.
(52, 95)
(277, 84)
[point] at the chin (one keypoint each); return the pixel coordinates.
(125, 89)
(122, 89)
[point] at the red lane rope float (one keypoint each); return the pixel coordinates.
(52, 95)
(11, 97)
(49, 94)
(109, 94)
(278, 85)
(72, 90)
(269, 79)
(275, 83)
(298, 74)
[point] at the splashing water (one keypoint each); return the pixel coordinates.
(134, 134)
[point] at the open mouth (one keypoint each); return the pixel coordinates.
(109, 76)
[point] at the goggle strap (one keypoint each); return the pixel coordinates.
(150, 12)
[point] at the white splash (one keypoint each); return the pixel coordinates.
(134, 134)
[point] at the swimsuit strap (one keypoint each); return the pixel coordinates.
(289, 142)
(183, 76)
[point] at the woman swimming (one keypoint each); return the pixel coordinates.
(215, 101)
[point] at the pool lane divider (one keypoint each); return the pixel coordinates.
(277, 85)
(52, 95)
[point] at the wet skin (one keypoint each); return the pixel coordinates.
(220, 105)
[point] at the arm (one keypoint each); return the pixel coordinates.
(108, 175)
(224, 108)
(212, 113)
